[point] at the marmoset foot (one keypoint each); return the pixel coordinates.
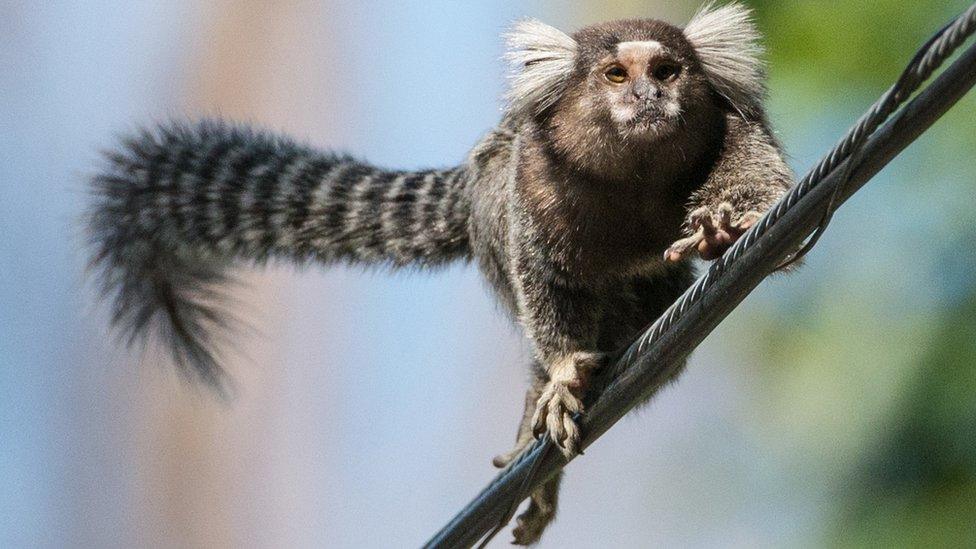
(541, 511)
(561, 400)
(554, 414)
(532, 523)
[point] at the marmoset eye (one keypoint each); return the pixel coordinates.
(666, 72)
(616, 74)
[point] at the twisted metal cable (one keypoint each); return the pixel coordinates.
(496, 500)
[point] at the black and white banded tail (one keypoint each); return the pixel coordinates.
(175, 207)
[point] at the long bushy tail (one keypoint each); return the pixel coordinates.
(178, 205)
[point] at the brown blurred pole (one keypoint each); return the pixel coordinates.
(198, 454)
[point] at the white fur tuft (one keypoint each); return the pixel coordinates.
(727, 43)
(542, 58)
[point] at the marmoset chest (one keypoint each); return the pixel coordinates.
(607, 229)
(595, 228)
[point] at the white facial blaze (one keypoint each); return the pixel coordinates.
(640, 49)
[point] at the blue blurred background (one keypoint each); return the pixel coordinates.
(836, 407)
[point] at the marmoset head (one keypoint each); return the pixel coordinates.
(634, 81)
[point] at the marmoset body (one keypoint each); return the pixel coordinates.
(625, 149)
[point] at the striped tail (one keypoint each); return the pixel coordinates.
(177, 206)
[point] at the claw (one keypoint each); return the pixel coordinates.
(699, 216)
(570, 446)
(708, 226)
(725, 215)
(501, 461)
(539, 420)
(683, 248)
(554, 415)
(554, 423)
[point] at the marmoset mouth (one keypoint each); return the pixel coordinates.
(649, 119)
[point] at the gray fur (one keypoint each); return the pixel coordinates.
(567, 206)
(175, 207)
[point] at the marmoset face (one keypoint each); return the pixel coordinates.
(641, 86)
(642, 76)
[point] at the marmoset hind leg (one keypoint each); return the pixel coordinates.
(524, 436)
(631, 309)
(544, 499)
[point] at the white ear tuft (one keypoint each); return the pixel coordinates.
(727, 43)
(542, 58)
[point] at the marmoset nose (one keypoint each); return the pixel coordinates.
(644, 90)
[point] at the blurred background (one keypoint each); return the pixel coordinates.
(836, 407)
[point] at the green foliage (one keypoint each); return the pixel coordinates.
(850, 43)
(919, 483)
(871, 373)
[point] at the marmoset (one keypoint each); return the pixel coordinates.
(625, 149)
